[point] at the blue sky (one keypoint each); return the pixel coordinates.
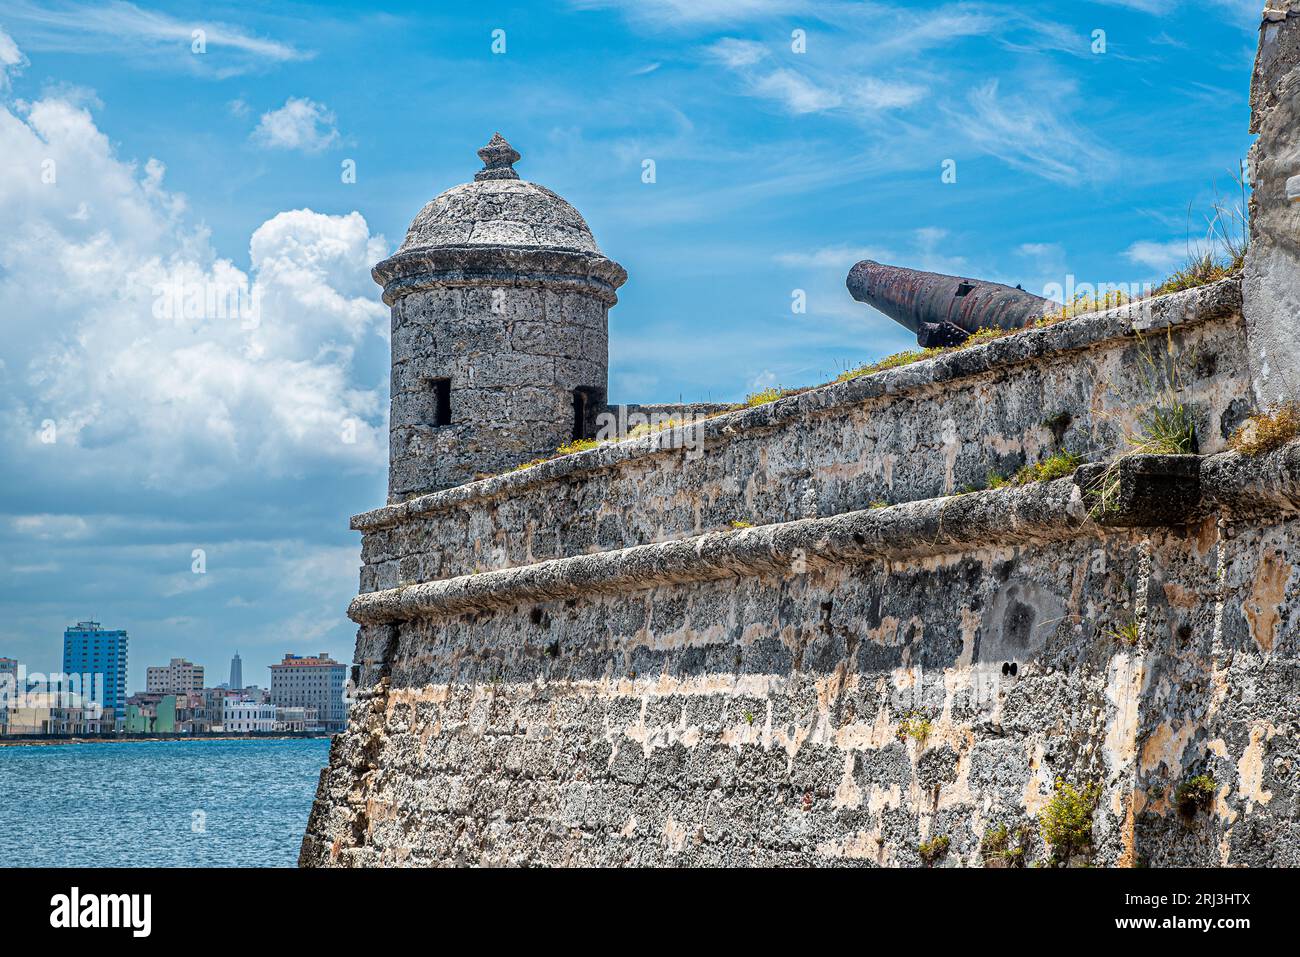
(131, 441)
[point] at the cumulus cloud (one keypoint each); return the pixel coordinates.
(1161, 257)
(135, 349)
(11, 60)
(301, 124)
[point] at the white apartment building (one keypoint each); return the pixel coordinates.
(243, 714)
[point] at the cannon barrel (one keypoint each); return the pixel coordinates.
(942, 309)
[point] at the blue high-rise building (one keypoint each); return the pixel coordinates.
(100, 655)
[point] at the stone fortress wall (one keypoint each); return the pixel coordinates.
(584, 662)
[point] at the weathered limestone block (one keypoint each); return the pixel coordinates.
(1272, 280)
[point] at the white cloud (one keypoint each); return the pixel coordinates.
(736, 54)
(831, 257)
(873, 94)
(1028, 133)
(1145, 6)
(795, 92)
(151, 39)
(1160, 257)
(1041, 250)
(301, 124)
(11, 59)
(931, 254)
(108, 291)
(1244, 13)
(822, 86)
(46, 526)
(660, 14)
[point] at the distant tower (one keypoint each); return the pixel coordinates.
(236, 672)
(500, 341)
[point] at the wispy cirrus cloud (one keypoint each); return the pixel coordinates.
(875, 67)
(671, 14)
(147, 37)
(815, 86)
(1244, 13)
(1029, 133)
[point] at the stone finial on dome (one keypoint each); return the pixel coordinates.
(498, 159)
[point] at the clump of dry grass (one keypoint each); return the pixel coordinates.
(569, 448)
(528, 465)
(986, 334)
(1053, 467)
(895, 361)
(1126, 634)
(1084, 304)
(1266, 431)
(1201, 270)
(910, 356)
(1227, 238)
(649, 428)
(1168, 427)
(976, 338)
(577, 445)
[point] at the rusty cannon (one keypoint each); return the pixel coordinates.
(944, 310)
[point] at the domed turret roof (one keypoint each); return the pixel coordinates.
(500, 209)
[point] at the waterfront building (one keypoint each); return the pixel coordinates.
(55, 712)
(99, 654)
(245, 714)
(192, 714)
(178, 677)
(214, 702)
(149, 712)
(315, 682)
(297, 719)
(9, 690)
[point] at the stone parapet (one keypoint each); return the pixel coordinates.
(906, 434)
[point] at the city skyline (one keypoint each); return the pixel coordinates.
(190, 479)
(132, 687)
